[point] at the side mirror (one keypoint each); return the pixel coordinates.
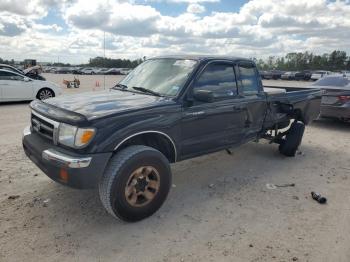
(203, 95)
(26, 79)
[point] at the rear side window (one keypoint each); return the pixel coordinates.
(219, 78)
(9, 76)
(248, 78)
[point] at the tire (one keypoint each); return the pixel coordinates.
(45, 93)
(119, 178)
(290, 144)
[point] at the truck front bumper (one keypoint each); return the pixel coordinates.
(63, 166)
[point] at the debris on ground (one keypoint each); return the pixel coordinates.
(270, 186)
(320, 199)
(286, 185)
(46, 201)
(12, 197)
(274, 186)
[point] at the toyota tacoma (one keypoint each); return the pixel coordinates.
(168, 109)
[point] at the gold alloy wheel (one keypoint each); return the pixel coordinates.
(142, 186)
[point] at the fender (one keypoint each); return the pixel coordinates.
(146, 132)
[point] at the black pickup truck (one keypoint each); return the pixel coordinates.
(166, 110)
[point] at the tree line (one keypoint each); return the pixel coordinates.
(110, 62)
(93, 62)
(334, 61)
(106, 63)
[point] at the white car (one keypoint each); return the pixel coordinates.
(88, 71)
(17, 87)
(319, 74)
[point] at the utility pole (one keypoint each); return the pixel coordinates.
(104, 58)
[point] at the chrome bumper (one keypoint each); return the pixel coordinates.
(65, 160)
(61, 159)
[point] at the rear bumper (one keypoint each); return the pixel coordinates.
(68, 168)
(339, 112)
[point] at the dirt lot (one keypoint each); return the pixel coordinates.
(219, 208)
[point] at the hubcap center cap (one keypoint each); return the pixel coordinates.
(141, 184)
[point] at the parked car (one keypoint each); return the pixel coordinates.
(17, 87)
(113, 71)
(336, 98)
(77, 71)
(63, 70)
(103, 71)
(51, 70)
(346, 73)
(11, 68)
(265, 75)
(125, 71)
(32, 72)
(319, 74)
(271, 74)
(88, 71)
(168, 109)
(288, 76)
(303, 75)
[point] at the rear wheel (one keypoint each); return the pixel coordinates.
(290, 144)
(45, 94)
(136, 183)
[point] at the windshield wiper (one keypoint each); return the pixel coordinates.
(145, 90)
(120, 86)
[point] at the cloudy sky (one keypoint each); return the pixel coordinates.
(72, 30)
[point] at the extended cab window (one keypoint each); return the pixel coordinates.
(218, 78)
(248, 78)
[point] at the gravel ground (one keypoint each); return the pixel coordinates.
(219, 209)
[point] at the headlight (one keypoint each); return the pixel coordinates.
(75, 137)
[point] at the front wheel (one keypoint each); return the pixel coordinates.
(135, 183)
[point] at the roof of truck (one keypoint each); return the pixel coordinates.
(204, 57)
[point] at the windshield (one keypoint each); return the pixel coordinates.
(165, 76)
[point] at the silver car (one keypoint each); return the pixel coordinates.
(336, 99)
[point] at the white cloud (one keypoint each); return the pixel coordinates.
(259, 28)
(194, 1)
(195, 8)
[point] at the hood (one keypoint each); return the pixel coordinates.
(28, 70)
(99, 104)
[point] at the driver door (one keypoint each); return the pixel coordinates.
(210, 126)
(15, 87)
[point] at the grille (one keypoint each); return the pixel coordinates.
(43, 126)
